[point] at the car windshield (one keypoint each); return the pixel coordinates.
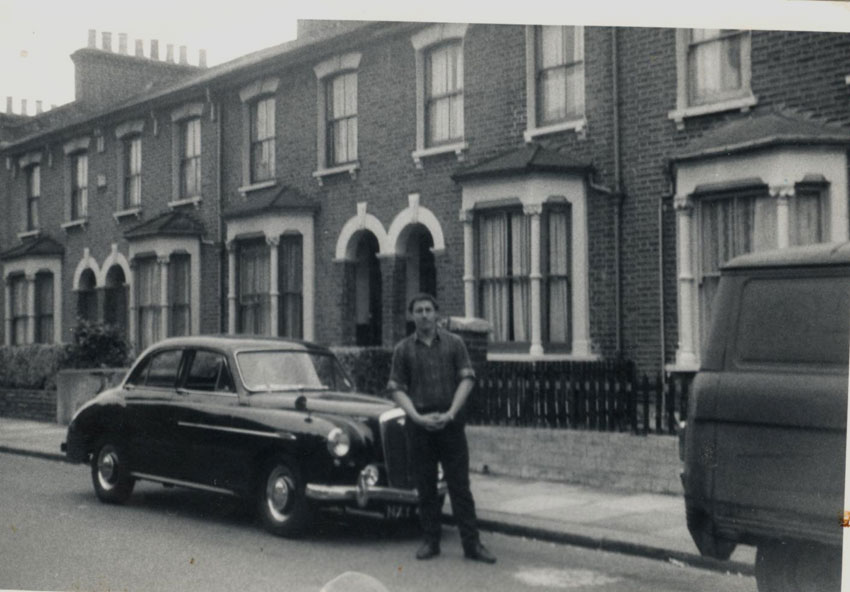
(291, 371)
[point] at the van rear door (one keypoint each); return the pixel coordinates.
(781, 406)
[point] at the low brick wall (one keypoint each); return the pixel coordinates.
(28, 404)
(597, 459)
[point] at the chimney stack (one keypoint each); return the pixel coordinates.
(154, 49)
(8, 105)
(93, 38)
(38, 108)
(107, 41)
(140, 49)
(202, 58)
(23, 106)
(122, 43)
(169, 53)
(183, 59)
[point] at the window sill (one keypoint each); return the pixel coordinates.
(29, 234)
(458, 148)
(186, 201)
(743, 104)
(78, 223)
(127, 213)
(350, 168)
(257, 186)
(577, 125)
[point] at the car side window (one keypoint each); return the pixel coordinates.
(164, 367)
(139, 374)
(209, 372)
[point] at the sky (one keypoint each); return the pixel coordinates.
(38, 37)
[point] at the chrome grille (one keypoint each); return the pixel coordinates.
(396, 448)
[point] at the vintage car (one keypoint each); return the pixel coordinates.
(275, 421)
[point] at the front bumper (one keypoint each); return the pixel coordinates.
(363, 493)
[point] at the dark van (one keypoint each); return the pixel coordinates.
(764, 442)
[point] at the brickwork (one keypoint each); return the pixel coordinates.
(595, 459)
(791, 70)
(28, 404)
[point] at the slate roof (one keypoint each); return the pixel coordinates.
(264, 200)
(756, 131)
(167, 224)
(531, 158)
(40, 246)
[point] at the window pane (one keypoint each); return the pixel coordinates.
(254, 289)
(558, 260)
(163, 369)
(205, 372)
(148, 297)
(179, 286)
(808, 218)
(290, 278)
(714, 65)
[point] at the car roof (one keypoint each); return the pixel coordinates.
(823, 254)
(240, 342)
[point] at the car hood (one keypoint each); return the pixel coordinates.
(332, 402)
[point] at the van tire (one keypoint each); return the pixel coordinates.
(797, 566)
(704, 532)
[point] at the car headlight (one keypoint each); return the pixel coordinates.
(338, 442)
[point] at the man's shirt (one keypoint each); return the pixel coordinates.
(429, 374)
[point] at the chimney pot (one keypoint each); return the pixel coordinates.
(122, 43)
(154, 49)
(169, 53)
(183, 59)
(93, 38)
(202, 58)
(9, 108)
(140, 48)
(23, 106)
(38, 108)
(107, 41)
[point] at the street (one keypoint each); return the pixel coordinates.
(57, 536)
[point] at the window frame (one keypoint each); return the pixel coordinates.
(19, 317)
(265, 143)
(131, 194)
(742, 100)
(181, 259)
(79, 186)
(41, 313)
(188, 156)
(333, 121)
(423, 41)
(192, 355)
(454, 47)
(261, 303)
(33, 174)
(153, 307)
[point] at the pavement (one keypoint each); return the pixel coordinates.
(643, 524)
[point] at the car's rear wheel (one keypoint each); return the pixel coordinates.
(110, 475)
(797, 566)
(283, 507)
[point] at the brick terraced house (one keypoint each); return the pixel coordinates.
(577, 187)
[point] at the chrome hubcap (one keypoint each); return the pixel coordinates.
(278, 492)
(107, 468)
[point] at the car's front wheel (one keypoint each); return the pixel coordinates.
(112, 481)
(283, 507)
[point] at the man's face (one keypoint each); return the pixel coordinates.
(424, 315)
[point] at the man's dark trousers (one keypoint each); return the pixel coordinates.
(448, 447)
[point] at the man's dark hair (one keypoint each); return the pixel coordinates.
(422, 296)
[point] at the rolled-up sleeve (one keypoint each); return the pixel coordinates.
(462, 361)
(400, 370)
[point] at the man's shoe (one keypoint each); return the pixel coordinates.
(479, 553)
(428, 550)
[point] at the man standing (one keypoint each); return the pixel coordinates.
(431, 378)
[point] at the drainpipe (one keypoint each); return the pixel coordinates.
(618, 193)
(222, 230)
